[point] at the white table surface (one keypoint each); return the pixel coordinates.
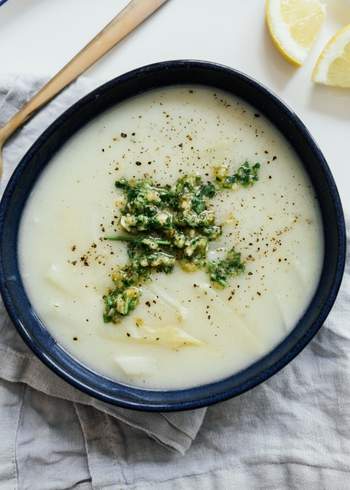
(39, 36)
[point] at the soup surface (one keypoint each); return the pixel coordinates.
(184, 332)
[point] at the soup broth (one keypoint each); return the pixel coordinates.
(184, 332)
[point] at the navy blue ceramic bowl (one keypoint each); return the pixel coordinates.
(34, 332)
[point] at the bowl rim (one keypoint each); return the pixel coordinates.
(176, 400)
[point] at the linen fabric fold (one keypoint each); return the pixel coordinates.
(291, 432)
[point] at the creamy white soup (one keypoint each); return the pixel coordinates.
(185, 331)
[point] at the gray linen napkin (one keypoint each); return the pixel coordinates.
(292, 432)
(18, 364)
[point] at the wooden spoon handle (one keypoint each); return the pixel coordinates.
(126, 21)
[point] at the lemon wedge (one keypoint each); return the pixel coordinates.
(333, 64)
(294, 26)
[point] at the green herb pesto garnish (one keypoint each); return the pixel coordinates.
(245, 176)
(221, 270)
(167, 224)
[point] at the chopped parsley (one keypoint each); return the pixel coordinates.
(245, 176)
(221, 270)
(163, 225)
